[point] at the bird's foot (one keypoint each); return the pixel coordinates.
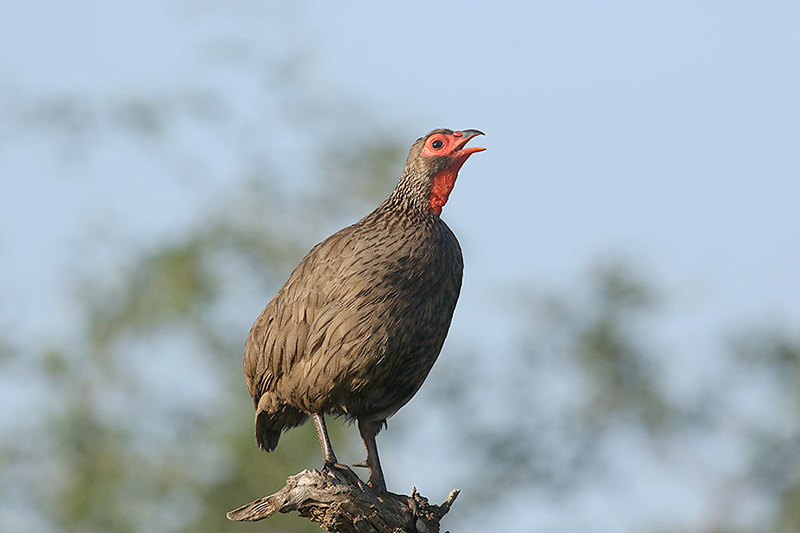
(376, 483)
(343, 471)
(336, 465)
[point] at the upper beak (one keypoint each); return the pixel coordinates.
(466, 136)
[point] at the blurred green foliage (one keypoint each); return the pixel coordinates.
(127, 450)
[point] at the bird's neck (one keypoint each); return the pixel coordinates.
(411, 197)
(422, 196)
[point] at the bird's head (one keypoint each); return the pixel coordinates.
(433, 164)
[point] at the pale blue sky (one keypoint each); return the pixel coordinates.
(667, 132)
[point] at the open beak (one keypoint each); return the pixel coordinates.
(466, 135)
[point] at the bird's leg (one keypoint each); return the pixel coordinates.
(324, 441)
(369, 429)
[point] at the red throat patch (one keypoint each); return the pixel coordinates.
(443, 183)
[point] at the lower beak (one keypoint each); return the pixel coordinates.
(466, 136)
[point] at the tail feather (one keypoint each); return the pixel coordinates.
(272, 418)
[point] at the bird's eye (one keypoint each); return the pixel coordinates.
(437, 144)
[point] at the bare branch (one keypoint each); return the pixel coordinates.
(340, 502)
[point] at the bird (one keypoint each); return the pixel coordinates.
(358, 325)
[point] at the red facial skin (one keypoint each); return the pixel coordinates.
(452, 146)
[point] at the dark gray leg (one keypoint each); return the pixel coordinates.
(368, 430)
(324, 441)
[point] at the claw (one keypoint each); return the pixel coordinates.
(362, 464)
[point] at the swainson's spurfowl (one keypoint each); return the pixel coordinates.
(361, 320)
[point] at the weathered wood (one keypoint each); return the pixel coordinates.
(340, 502)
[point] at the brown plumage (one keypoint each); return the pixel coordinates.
(361, 320)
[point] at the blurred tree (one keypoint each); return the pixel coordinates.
(771, 356)
(133, 445)
(144, 429)
(588, 376)
(147, 431)
(144, 422)
(581, 371)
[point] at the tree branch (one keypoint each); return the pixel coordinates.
(340, 502)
